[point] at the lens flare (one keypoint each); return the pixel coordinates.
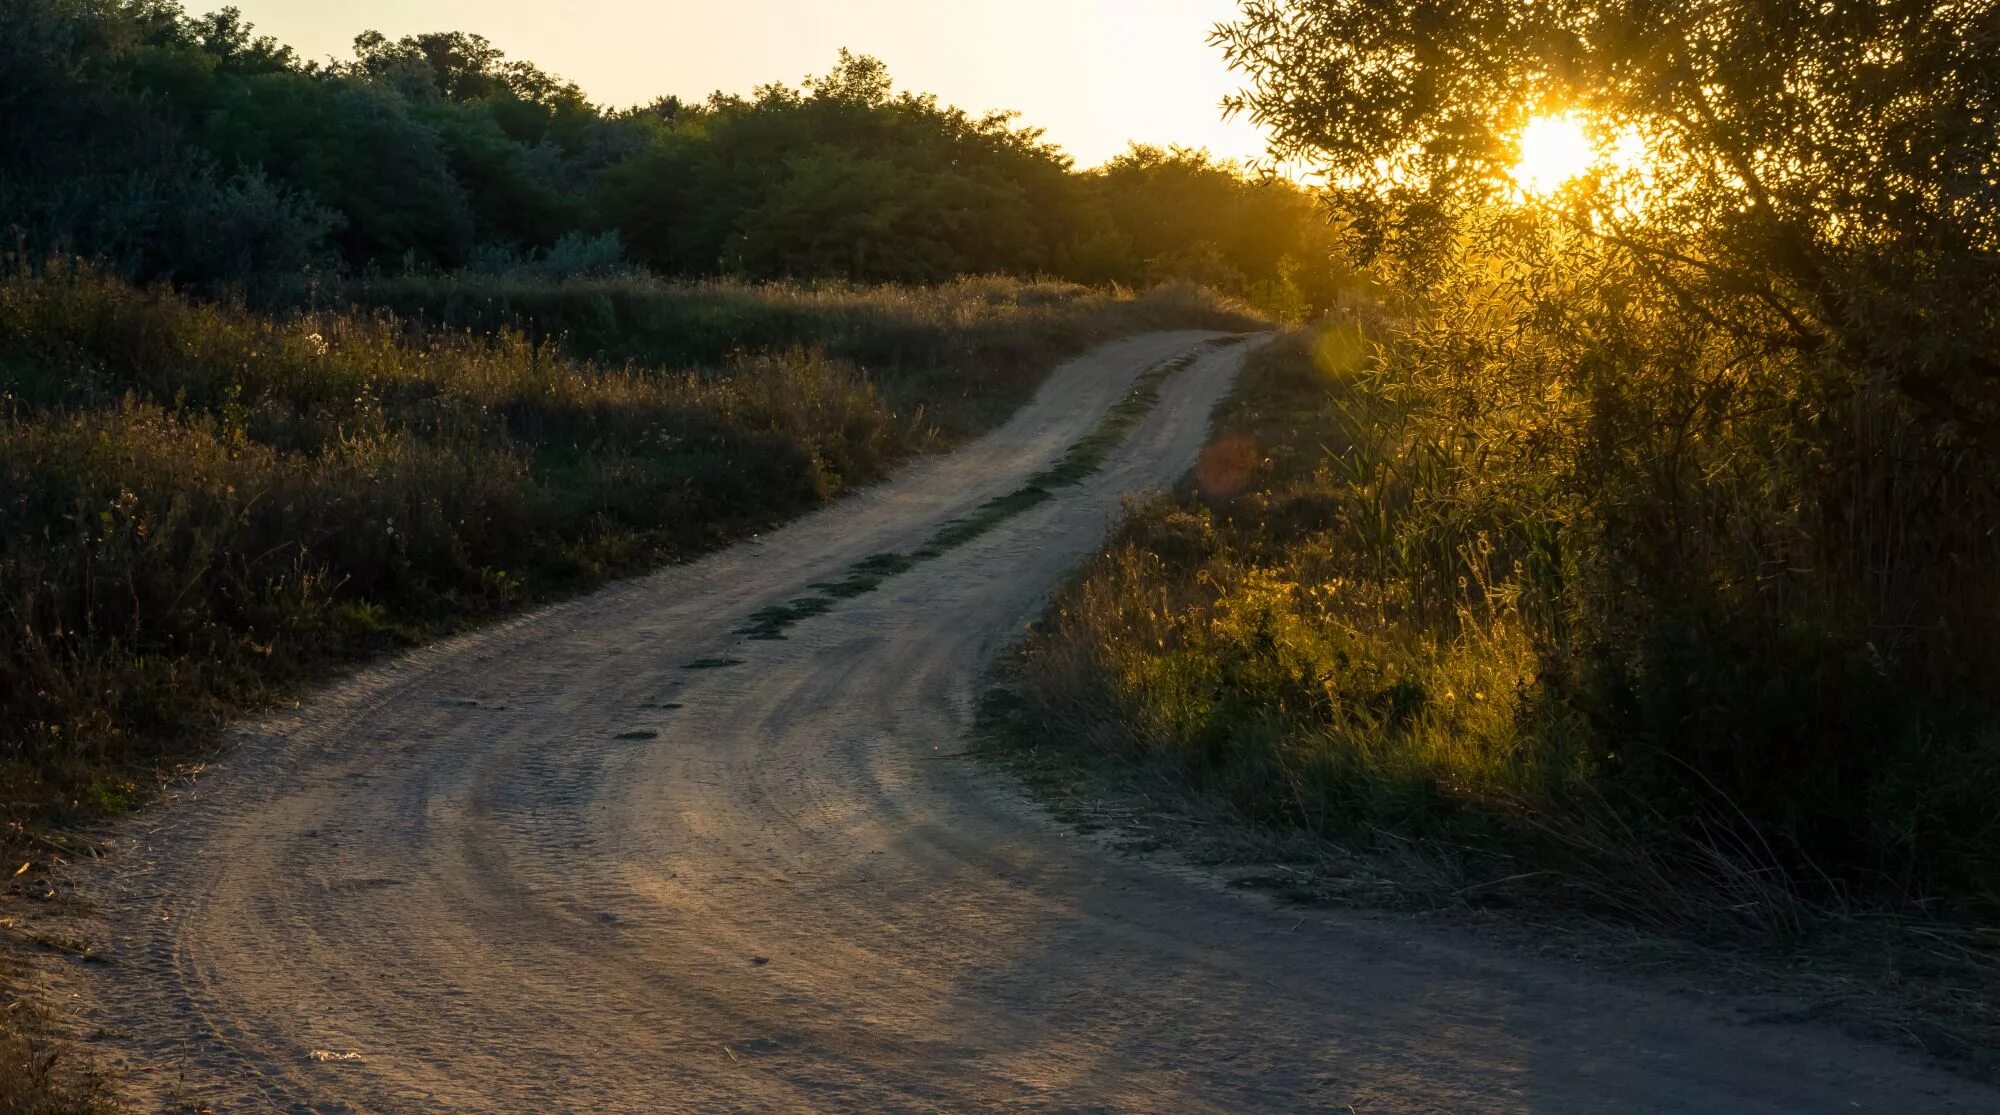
(1554, 149)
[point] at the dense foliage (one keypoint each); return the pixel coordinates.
(1661, 512)
(192, 149)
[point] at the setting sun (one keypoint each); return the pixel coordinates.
(1554, 149)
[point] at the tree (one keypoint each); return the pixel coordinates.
(93, 157)
(1181, 214)
(358, 150)
(840, 177)
(1717, 419)
(1819, 174)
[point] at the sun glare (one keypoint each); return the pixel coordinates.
(1554, 149)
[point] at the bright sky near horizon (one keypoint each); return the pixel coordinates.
(1093, 73)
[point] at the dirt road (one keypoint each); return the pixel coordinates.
(555, 867)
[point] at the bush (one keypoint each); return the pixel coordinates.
(1446, 597)
(575, 255)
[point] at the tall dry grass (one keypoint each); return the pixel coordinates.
(201, 506)
(967, 348)
(1581, 624)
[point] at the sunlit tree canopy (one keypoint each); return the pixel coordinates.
(1827, 168)
(1690, 369)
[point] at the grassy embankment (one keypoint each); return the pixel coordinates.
(967, 351)
(204, 508)
(1404, 652)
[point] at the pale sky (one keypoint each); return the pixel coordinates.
(1093, 73)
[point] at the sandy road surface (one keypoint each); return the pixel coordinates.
(550, 868)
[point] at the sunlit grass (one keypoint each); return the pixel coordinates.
(1396, 620)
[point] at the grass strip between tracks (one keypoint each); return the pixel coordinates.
(1081, 460)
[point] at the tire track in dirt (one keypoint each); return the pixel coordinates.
(548, 867)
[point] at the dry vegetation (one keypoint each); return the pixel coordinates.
(1644, 559)
(205, 507)
(1393, 615)
(958, 347)
(41, 1074)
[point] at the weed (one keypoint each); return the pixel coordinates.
(41, 1074)
(770, 623)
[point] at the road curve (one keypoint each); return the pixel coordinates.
(550, 867)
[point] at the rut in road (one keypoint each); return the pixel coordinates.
(624, 855)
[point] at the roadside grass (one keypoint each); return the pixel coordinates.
(959, 349)
(41, 1072)
(1249, 674)
(45, 1077)
(205, 508)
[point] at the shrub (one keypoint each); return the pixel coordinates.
(1468, 590)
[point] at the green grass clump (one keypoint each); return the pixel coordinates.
(957, 532)
(770, 623)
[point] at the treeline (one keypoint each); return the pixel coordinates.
(191, 149)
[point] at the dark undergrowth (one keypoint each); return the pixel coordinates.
(1371, 630)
